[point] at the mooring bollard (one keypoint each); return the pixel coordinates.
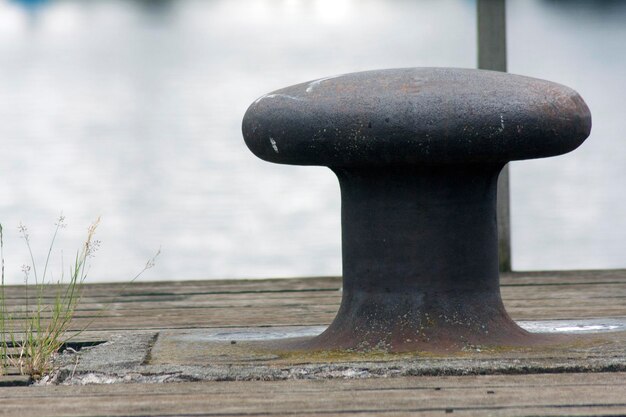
(417, 152)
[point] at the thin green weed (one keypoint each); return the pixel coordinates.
(30, 337)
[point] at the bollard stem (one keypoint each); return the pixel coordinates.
(418, 229)
(420, 260)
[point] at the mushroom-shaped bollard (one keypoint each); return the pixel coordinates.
(417, 152)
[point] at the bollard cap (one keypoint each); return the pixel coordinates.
(416, 116)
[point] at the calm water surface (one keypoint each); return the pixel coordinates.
(131, 110)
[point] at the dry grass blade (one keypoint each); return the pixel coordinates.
(42, 330)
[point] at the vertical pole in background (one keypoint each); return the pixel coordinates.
(492, 56)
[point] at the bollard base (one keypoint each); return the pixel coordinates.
(436, 322)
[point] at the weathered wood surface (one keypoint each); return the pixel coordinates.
(314, 301)
(522, 395)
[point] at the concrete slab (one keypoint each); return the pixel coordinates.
(239, 354)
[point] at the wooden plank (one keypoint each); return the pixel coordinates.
(588, 303)
(564, 277)
(14, 380)
(204, 291)
(314, 301)
(216, 286)
(546, 394)
(308, 286)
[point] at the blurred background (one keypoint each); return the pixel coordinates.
(131, 109)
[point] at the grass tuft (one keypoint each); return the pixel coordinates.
(30, 341)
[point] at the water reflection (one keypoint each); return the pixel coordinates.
(132, 110)
(31, 5)
(32, 9)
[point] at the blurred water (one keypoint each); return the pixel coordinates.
(131, 110)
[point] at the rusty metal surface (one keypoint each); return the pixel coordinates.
(417, 153)
(416, 116)
(420, 262)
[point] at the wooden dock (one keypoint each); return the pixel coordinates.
(159, 306)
